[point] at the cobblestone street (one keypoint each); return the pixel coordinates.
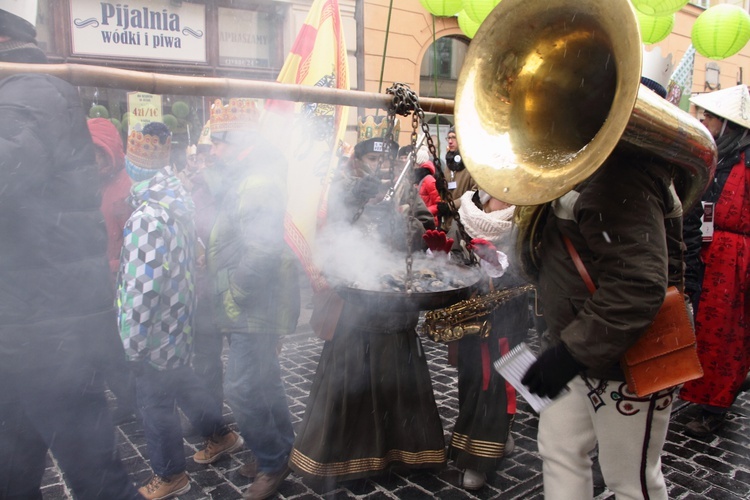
(715, 468)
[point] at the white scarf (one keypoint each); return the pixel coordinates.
(491, 226)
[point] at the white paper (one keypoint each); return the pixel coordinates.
(513, 367)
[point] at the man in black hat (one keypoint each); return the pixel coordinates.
(56, 301)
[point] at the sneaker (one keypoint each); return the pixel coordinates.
(249, 469)
(159, 488)
(266, 484)
(218, 446)
(705, 424)
(474, 480)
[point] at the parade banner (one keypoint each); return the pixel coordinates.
(680, 85)
(311, 138)
(145, 29)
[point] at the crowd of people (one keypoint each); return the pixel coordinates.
(175, 264)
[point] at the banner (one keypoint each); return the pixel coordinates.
(680, 85)
(309, 133)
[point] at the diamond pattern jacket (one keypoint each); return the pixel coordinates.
(155, 287)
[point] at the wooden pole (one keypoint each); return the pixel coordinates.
(158, 83)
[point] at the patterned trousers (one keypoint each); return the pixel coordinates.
(629, 430)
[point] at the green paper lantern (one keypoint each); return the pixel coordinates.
(116, 123)
(442, 8)
(468, 26)
(180, 109)
(721, 31)
(655, 28)
(658, 7)
(478, 10)
(98, 111)
(170, 121)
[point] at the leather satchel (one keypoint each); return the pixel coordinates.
(665, 355)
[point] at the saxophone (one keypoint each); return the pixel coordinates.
(468, 317)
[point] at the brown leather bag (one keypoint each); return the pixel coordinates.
(665, 355)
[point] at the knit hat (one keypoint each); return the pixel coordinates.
(148, 151)
(17, 19)
(376, 145)
(423, 155)
(107, 139)
(491, 226)
(732, 104)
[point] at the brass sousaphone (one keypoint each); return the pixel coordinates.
(549, 89)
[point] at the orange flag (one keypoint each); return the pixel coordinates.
(311, 131)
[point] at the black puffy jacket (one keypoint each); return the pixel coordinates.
(54, 282)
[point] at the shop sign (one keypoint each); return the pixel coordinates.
(146, 29)
(244, 39)
(143, 108)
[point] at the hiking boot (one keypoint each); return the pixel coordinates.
(249, 469)
(218, 446)
(266, 484)
(159, 488)
(705, 424)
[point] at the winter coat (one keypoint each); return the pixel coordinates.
(54, 278)
(428, 190)
(617, 221)
(156, 291)
(254, 272)
(115, 186)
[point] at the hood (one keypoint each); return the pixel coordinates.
(163, 190)
(107, 138)
(429, 166)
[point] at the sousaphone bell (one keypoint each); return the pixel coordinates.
(550, 88)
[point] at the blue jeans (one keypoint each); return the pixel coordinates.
(256, 394)
(57, 402)
(159, 392)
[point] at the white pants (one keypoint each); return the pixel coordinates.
(630, 432)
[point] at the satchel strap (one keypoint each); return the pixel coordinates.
(579, 264)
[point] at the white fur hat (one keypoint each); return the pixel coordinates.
(491, 226)
(423, 155)
(732, 104)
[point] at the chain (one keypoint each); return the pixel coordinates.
(405, 102)
(440, 181)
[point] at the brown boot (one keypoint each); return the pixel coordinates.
(266, 484)
(217, 446)
(160, 488)
(249, 469)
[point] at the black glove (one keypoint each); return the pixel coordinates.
(443, 209)
(366, 188)
(552, 371)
